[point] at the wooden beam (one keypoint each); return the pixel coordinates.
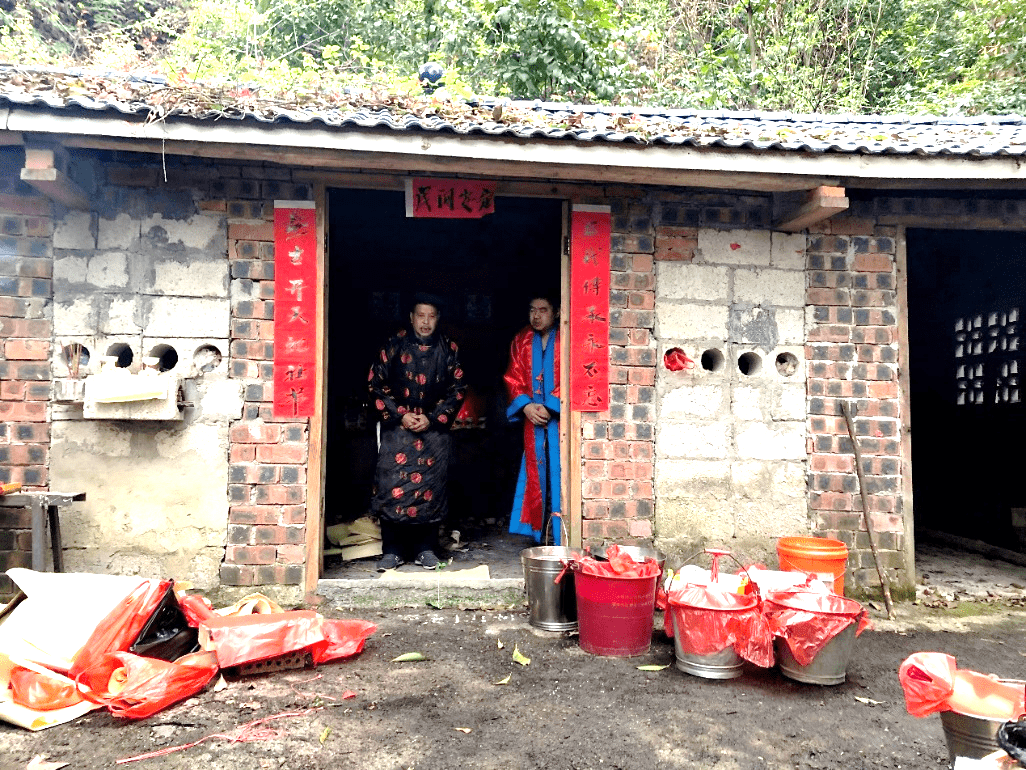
(821, 203)
(315, 467)
(46, 169)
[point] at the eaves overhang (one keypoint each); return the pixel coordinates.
(418, 150)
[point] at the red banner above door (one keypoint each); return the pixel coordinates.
(428, 197)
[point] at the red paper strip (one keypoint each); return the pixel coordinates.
(449, 198)
(589, 308)
(295, 308)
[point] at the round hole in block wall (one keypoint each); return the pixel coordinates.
(712, 360)
(75, 355)
(167, 357)
(207, 358)
(787, 364)
(749, 364)
(123, 353)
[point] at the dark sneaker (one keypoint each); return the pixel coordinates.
(389, 561)
(427, 560)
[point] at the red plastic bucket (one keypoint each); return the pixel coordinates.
(615, 614)
(817, 555)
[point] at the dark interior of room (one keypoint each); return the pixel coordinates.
(966, 297)
(484, 270)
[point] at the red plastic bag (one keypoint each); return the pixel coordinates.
(710, 619)
(927, 679)
(808, 621)
(931, 683)
(40, 692)
(241, 639)
(196, 609)
(133, 687)
(618, 564)
(345, 638)
(122, 626)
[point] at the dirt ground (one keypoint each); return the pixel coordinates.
(566, 709)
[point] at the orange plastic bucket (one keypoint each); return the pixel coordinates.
(817, 555)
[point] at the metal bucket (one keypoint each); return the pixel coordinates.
(828, 667)
(552, 606)
(725, 664)
(969, 736)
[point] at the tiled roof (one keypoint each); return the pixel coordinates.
(155, 98)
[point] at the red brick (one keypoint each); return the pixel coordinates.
(832, 463)
(595, 450)
(33, 476)
(641, 375)
(255, 433)
(250, 554)
(829, 334)
(240, 231)
(242, 454)
(23, 411)
(641, 300)
(640, 528)
(642, 450)
(28, 454)
(827, 297)
(642, 263)
(281, 453)
(26, 350)
(24, 327)
(873, 263)
(213, 205)
(595, 509)
(886, 522)
(25, 205)
(291, 554)
(595, 469)
(850, 226)
(12, 390)
(255, 514)
(293, 514)
(831, 501)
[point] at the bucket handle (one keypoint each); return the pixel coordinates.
(714, 569)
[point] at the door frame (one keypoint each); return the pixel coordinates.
(570, 430)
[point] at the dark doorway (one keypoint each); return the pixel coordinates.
(484, 270)
(966, 297)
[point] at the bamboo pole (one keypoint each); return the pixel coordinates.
(846, 411)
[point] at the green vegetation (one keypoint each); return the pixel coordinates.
(958, 57)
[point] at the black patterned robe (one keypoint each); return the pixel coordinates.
(422, 376)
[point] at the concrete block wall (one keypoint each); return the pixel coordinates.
(145, 273)
(731, 431)
(26, 221)
(852, 356)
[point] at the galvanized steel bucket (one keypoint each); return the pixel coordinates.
(828, 667)
(552, 606)
(970, 736)
(725, 664)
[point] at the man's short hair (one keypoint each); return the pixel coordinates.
(552, 297)
(424, 298)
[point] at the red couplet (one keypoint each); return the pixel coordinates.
(615, 614)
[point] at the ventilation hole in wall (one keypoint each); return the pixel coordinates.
(712, 360)
(787, 364)
(122, 352)
(207, 358)
(676, 360)
(167, 357)
(749, 364)
(76, 356)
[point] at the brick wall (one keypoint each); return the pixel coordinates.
(25, 331)
(618, 498)
(852, 355)
(268, 455)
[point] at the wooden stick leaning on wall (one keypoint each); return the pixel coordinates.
(884, 582)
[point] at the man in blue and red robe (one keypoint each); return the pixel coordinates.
(532, 380)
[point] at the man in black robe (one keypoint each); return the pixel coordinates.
(417, 386)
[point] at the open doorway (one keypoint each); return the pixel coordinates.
(484, 270)
(966, 297)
